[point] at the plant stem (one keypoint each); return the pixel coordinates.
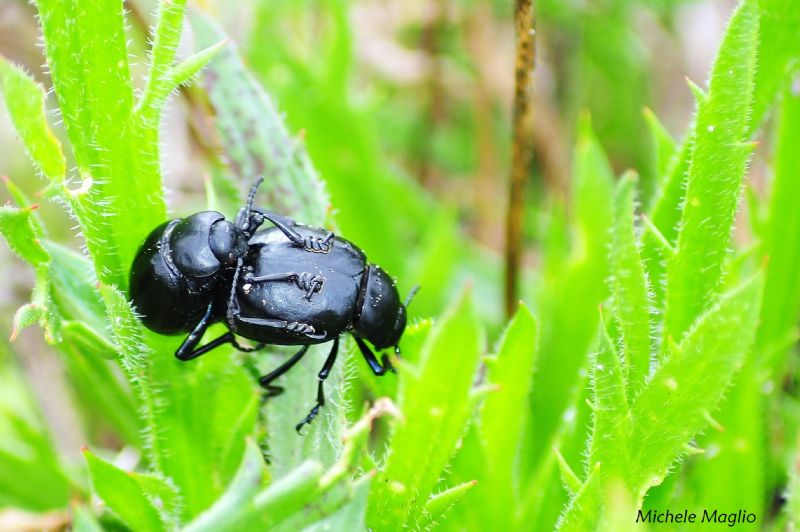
(522, 144)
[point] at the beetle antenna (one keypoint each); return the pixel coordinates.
(245, 220)
(411, 295)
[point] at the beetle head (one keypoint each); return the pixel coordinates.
(382, 317)
(228, 242)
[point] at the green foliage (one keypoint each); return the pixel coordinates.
(28, 114)
(630, 288)
(126, 495)
(434, 412)
(650, 367)
(718, 161)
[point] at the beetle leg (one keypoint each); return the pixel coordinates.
(303, 329)
(309, 243)
(373, 363)
(189, 350)
(233, 311)
(323, 374)
(305, 281)
(318, 245)
(266, 380)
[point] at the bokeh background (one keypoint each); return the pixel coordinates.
(405, 109)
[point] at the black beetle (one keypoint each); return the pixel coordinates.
(287, 285)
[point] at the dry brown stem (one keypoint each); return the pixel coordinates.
(522, 147)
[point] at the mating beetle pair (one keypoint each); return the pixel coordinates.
(289, 284)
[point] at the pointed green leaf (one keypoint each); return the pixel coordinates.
(699, 94)
(577, 285)
(630, 288)
(25, 101)
(501, 420)
(717, 167)
(117, 198)
(585, 509)
(610, 432)
(511, 371)
(184, 71)
(19, 231)
(122, 493)
(438, 505)
(664, 146)
(25, 316)
(160, 83)
(673, 407)
(568, 476)
(434, 416)
(40, 310)
(663, 216)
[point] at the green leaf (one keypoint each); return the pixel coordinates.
(74, 288)
(198, 415)
(575, 286)
(123, 494)
(128, 334)
(187, 69)
(127, 330)
(22, 234)
(501, 422)
(676, 403)
(718, 163)
(160, 82)
(84, 521)
(584, 510)
(438, 504)
(781, 244)
(664, 146)
(351, 515)
(25, 101)
(237, 496)
(664, 215)
(608, 446)
(568, 476)
(289, 494)
(630, 288)
(118, 199)
(778, 53)
(25, 316)
(434, 416)
(104, 396)
(28, 456)
(19, 231)
(254, 135)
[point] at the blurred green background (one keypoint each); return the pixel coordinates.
(404, 109)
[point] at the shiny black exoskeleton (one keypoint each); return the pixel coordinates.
(287, 285)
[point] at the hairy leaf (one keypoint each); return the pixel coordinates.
(718, 163)
(674, 406)
(630, 289)
(25, 100)
(435, 412)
